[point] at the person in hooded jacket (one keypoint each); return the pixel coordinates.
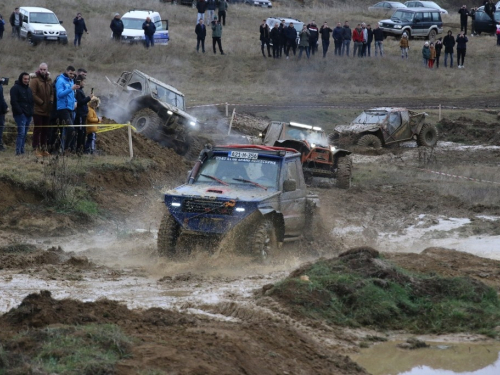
(313, 37)
(93, 120)
(66, 104)
(42, 89)
(448, 43)
(438, 47)
(117, 27)
(432, 57)
(404, 45)
(426, 54)
(217, 35)
(23, 105)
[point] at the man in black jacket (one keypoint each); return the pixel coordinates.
(16, 21)
(291, 39)
(464, 13)
(378, 35)
(117, 27)
(149, 32)
(23, 105)
(201, 32)
(448, 43)
(276, 39)
(346, 39)
(201, 5)
(80, 27)
(3, 110)
(472, 15)
(265, 38)
(325, 32)
(313, 36)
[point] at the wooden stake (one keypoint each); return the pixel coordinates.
(231, 122)
(131, 149)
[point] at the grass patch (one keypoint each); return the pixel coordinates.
(362, 289)
(90, 349)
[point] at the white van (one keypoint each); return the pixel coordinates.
(41, 25)
(132, 26)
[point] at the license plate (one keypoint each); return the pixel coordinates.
(243, 155)
(51, 38)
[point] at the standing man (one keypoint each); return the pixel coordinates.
(346, 38)
(3, 110)
(117, 27)
(21, 101)
(217, 35)
(369, 40)
(66, 104)
(378, 35)
(338, 38)
(2, 26)
(276, 39)
(472, 15)
(265, 37)
(201, 32)
(448, 43)
(149, 32)
(211, 5)
(464, 13)
(222, 6)
(357, 38)
(325, 32)
(461, 49)
(41, 87)
(80, 27)
(201, 6)
(291, 40)
(16, 21)
(313, 37)
(282, 29)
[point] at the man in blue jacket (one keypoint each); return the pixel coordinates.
(149, 32)
(65, 93)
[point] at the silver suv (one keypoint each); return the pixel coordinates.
(416, 22)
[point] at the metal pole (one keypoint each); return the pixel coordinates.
(131, 149)
(227, 109)
(440, 112)
(231, 122)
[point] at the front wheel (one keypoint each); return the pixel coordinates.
(30, 40)
(428, 136)
(168, 234)
(264, 241)
(344, 172)
(146, 122)
(370, 141)
(432, 34)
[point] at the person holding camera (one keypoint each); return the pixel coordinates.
(4, 108)
(80, 27)
(464, 13)
(149, 32)
(42, 89)
(66, 104)
(22, 103)
(217, 35)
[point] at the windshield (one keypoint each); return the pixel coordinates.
(312, 136)
(132, 23)
(46, 18)
(264, 172)
(400, 15)
(370, 117)
(167, 96)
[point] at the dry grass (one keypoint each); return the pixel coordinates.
(243, 75)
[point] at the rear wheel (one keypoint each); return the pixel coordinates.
(146, 122)
(168, 234)
(344, 172)
(432, 34)
(428, 136)
(264, 241)
(370, 141)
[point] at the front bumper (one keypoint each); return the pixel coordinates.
(36, 38)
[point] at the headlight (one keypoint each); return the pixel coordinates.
(333, 148)
(192, 123)
(240, 209)
(176, 204)
(62, 33)
(260, 134)
(170, 113)
(38, 32)
(397, 26)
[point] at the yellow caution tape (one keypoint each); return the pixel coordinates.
(101, 127)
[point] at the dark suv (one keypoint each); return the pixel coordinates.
(416, 22)
(483, 23)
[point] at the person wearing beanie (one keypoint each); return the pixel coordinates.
(432, 58)
(404, 44)
(217, 35)
(426, 54)
(117, 27)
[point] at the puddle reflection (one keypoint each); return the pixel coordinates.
(438, 359)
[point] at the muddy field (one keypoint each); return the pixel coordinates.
(211, 314)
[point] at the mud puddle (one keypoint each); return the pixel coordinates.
(438, 359)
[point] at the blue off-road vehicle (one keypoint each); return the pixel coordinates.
(255, 194)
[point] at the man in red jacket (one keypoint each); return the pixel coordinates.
(357, 38)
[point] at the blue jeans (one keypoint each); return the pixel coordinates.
(345, 47)
(325, 43)
(23, 123)
(302, 49)
(446, 59)
(149, 39)
(90, 143)
(78, 39)
(380, 46)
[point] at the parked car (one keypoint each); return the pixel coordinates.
(260, 3)
(133, 32)
(386, 7)
(415, 22)
(41, 25)
(483, 22)
(425, 4)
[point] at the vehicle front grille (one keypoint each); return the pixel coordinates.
(214, 207)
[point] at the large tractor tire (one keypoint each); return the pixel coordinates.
(168, 234)
(146, 122)
(264, 242)
(344, 172)
(370, 141)
(428, 136)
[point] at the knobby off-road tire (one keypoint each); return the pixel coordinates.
(344, 172)
(146, 122)
(168, 234)
(370, 141)
(428, 136)
(432, 34)
(264, 243)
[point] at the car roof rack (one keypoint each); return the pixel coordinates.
(259, 147)
(142, 10)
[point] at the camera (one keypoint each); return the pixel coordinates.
(4, 81)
